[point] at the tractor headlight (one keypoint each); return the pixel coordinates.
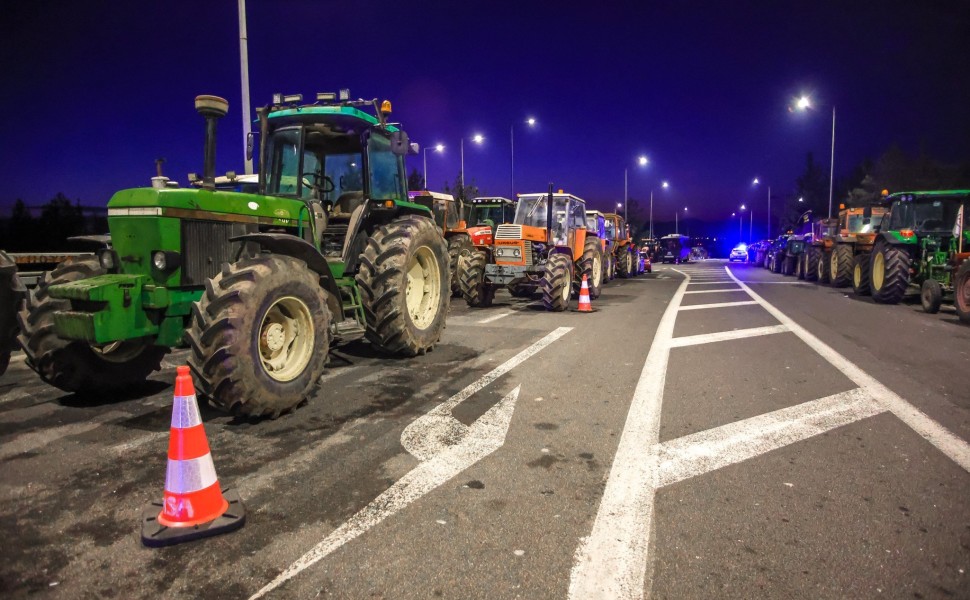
(517, 253)
(165, 260)
(107, 259)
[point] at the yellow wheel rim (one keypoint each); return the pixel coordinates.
(878, 271)
(423, 288)
(286, 339)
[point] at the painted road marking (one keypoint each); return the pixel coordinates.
(717, 305)
(706, 451)
(734, 289)
(610, 563)
(495, 317)
(722, 336)
(711, 282)
(953, 446)
(484, 436)
(440, 460)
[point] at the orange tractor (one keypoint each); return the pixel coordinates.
(447, 215)
(839, 254)
(547, 248)
(623, 254)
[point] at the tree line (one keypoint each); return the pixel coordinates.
(55, 221)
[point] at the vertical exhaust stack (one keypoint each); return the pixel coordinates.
(212, 108)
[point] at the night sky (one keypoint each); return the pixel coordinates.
(92, 96)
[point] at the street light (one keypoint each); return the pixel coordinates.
(531, 122)
(642, 161)
(437, 148)
(677, 221)
(741, 224)
(478, 139)
(664, 185)
(757, 182)
(805, 103)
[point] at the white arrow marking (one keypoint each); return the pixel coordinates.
(477, 441)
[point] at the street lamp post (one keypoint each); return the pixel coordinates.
(244, 72)
(804, 103)
(664, 185)
(531, 122)
(437, 148)
(477, 138)
(677, 221)
(757, 182)
(642, 161)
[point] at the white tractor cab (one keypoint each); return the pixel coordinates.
(485, 214)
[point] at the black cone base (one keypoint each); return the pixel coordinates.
(156, 535)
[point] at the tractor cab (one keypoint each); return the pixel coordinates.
(485, 214)
(563, 219)
(596, 223)
(446, 210)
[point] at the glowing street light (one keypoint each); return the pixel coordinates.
(642, 161)
(531, 122)
(677, 221)
(805, 103)
(478, 139)
(757, 182)
(437, 148)
(664, 185)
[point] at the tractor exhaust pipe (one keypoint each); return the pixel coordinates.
(212, 108)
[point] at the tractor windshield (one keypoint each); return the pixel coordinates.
(857, 223)
(315, 166)
(610, 230)
(487, 214)
(925, 215)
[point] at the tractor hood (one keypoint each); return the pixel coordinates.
(206, 204)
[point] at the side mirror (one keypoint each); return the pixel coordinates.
(399, 143)
(250, 143)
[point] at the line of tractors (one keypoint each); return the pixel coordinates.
(260, 277)
(906, 241)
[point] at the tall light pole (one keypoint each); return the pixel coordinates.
(741, 224)
(757, 182)
(531, 122)
(437, 148)
(664, 185)
(478, 139)
(642, 161)
(677, 221)
(244, 69)
(805, 103)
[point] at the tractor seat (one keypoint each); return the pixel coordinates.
(347, 202)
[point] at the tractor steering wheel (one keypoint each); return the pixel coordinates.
(320, 182)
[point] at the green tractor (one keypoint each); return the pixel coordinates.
(258, 285)
(921, 241)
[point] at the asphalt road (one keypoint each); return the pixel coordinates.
(708, 432)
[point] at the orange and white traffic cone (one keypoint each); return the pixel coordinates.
(194, 505)
(584, 303)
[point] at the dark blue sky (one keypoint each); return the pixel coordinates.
(92, 96)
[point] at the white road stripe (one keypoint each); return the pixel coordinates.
(781, 282)
(722, 336)
(717, 305)
(734, 289)
(495, 317)
(611, 562)
(713, 449)
(953, 446)
(711, 282)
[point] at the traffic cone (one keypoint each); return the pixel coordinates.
(584, 303)
(194, 505)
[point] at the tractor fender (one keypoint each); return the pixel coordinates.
(291, 245)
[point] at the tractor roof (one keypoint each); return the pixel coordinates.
(491, 200)
(347, 117)
(556, 195)
(435, 195)
(595, 212)
(933, 194)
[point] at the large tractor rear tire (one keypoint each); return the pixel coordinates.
(404, 286)
(12, 294)
(624, 263)
(961, 292)
(72, 365)
(259, 336)
(888, 274)
(840, 266)
(459, 244)
(860, 274)
(931, 296)
(610, 267)
(557, 283)
(788, 265)
(471, 275)
(800, 266)
(591, 265)
(811, 264)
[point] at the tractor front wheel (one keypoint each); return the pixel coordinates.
(888, 274)
(471, 276)
(961, 292)
(624, 263)
(840, 266)
(931, 296)
(72, 365)
(811, 264)
(404, 286)
(259, 336)
(557, 283)
(459, 244)
(860, 274)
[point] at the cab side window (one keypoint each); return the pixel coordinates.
(386, 170)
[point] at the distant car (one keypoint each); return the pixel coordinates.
(738, 253)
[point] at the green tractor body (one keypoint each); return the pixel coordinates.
(177, 269)
(923, 240)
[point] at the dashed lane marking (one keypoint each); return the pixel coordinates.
(707, 451)
(711, 282)
(946, 442)
(495, 317)
(734, 289)
(723, 336)
(717, 305)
